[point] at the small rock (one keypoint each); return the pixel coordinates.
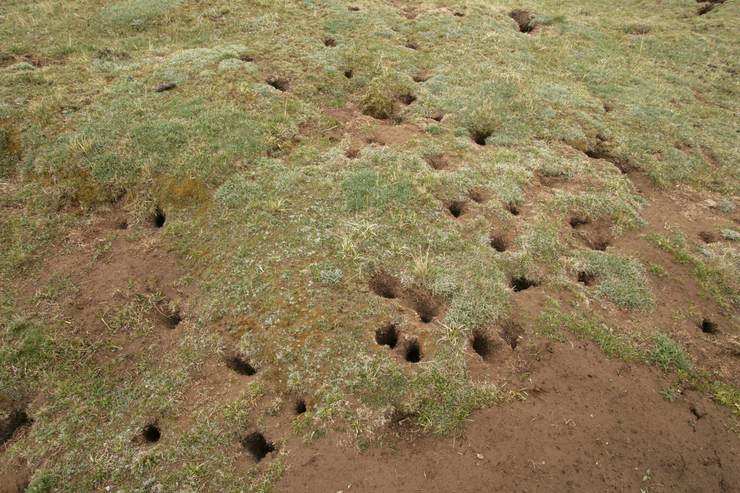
(479, 456)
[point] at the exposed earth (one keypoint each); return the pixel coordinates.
(371, 246)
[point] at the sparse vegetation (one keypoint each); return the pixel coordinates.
(197, 199)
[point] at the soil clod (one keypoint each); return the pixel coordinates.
(257, 445)
(413, 352)
(240, 365)
(151, 433)
(387, 336)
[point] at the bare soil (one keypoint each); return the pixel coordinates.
(589, 424)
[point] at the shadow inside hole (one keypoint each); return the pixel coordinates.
(587, 278)
(349, 73)
(158, 218)
(385, 285)
(240, 365)
(151, 433)
(577, 221)
(481, 344)
(521, 283)
(480, 136)
(407, 99)
(257, 445)
(457, 208)
(499, 243)
(16, 419)
(513, 209)
(709, 327)
(300, 406)
(387, 336)
(413, 352)
(278, 83)
(330, 42)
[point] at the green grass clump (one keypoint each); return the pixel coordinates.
(668, 354)
(137, 14)
(621, 280)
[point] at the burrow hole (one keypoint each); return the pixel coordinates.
(15, 420)
(330, 42)
(385, 285)
(513, 209)
(481, 344)
(240, 365)
(599, 244)
(578, 221)
(708, 237)
(586, 277)
(278, 83)
(425, 305)
(257, 445)
(412, 354)
(421, 77)
(708, 326)
(412, 45)
(158, 218)
(168, 313)
(523, 19)
(300, 406)
(457, 208)
(387, 335)
(437, 116)
(437, 161)
(349, 73)
(499, 243)
(521, 283)
(151, 433)
(705, 8)
(480, 136)
(407, 99)
(352, 153)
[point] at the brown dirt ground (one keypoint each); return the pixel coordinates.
(589, 424)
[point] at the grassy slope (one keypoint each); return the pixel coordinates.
(282, 230)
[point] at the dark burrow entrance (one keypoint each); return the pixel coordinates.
(480, 136)
(257, 445)
(499, 243)
(708, 327)
(523, 19)
(385, 285)
(481, 344)
(586, 277)
(17, 418)
(425, 305)
(412, 354)
(240, 365)
(278, 83)
(330, 42)
(437, 161)
(407, 99)
(578, 221)
(387, 336)
(349, 73)
(599, 244)
(521, 283)
(300, 406)
(151, 433)
(457, 208)
(513, 209)
(158, 218)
